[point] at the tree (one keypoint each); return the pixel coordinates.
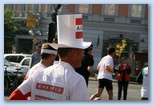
(120, 47)
(11, 29)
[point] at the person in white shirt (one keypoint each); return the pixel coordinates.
(48, 55)
(105, 70)
(47, 58)
(143, 78)
(60, 81)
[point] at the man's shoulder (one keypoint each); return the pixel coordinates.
(107, 57)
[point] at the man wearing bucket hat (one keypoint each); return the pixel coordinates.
(47, 58)
(60, 81)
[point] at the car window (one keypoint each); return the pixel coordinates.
(7, 63)
(13, 59)
(8, 58)
(20, 58)
(26, 62)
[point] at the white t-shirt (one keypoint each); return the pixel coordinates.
(57, 82)
(36, 68)
(102, 72)
(145, 84)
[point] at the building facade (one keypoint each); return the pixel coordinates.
(103, 24)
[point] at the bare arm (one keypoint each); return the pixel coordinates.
(90, 69)
(98, 68)
(108, 68)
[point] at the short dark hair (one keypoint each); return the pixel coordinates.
(62, 52)
(111, 50)
(89, 48)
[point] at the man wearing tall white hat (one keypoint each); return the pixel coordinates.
(60, 81)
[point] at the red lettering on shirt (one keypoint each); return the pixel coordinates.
(50, 88)
(38, 97)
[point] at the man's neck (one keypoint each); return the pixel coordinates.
(110, 55)
(44, 62)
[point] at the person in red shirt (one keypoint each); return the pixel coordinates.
(123, 78)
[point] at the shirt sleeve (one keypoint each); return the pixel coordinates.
(17, 95)
(109, 62)
(23, 91)
(90, 61)
(99, 63)
(25, 87)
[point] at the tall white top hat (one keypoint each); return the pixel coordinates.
(70, 32)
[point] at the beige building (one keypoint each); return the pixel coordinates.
(103, 24)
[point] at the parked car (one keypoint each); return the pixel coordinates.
(25, 63)
(15, 58)
(13, 75)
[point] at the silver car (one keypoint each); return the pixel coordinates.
(26, 63)
(16, 58)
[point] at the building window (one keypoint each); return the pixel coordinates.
(136, 10)
(11, 7)
(50, 8)
(23, 7)
(110, 9)
(37, 7)
(83, 8)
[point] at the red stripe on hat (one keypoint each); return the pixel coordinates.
(79, 35)
(78, 21)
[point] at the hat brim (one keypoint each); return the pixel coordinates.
(84, 46)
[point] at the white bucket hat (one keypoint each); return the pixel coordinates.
(70, 32)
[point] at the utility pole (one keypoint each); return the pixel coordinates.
(32, 21)
(53, 25)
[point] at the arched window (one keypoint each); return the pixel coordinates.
(110, 9)
(136, 10)
(83, 8)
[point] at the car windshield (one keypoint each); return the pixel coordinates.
(7, 63)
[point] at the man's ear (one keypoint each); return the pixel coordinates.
(73, 52)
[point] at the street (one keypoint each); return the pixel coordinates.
(133, 90)
(132, 94)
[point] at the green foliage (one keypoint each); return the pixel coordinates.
(11, 29)
(120, 47)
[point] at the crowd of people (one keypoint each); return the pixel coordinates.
(67, 78)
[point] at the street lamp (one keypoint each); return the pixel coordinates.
(53, 25)
(33, 32)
